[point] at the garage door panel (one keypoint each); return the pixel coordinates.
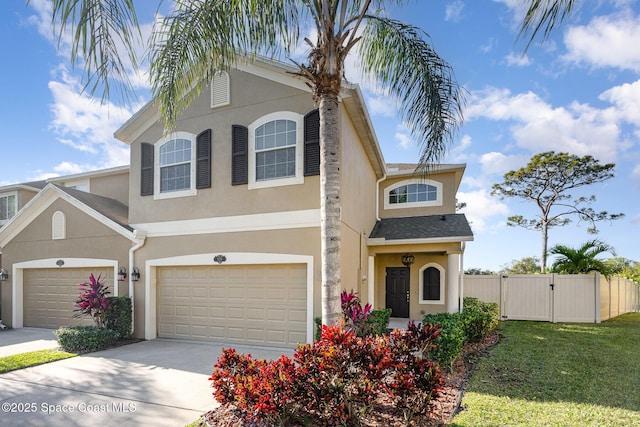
(263, 305)
(49, 295)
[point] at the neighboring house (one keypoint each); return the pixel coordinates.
(222, 221)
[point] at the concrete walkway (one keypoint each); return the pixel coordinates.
(156, 383)
(23, 340)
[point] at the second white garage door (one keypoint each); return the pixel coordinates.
(243, 304)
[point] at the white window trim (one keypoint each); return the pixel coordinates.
(437, 202)
(442, 284)
(58, 226)
(278, 182)
(191, 191)
(9, 194)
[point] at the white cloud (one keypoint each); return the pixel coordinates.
(382, 105)
(495, 163)
(517, 60)
(538, 126)
(453, 11)
(404, 140)
(606, 41)
(480, 207)
(626, 99)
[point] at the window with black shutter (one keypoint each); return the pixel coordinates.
(431, 284)
(203, 159)
(312, 143)
(146, 169)
(239, 155)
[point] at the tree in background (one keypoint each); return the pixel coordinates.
(200, 38)
(582, 260)
(526, 265)
(547, 181)
(479, 272)
(624, 267)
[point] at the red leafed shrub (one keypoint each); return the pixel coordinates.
(93, 301)
(416, 379)
(343, 374)
(334, 381)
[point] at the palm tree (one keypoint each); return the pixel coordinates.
(581, 260)
(202, 37)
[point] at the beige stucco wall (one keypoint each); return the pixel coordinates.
(113, 186)
(251, 98)
(358, 189)
(449, 189)
(85, 238)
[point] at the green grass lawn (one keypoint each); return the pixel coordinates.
(555, 374)
(32, 358)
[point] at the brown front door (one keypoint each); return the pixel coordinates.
(397, 291)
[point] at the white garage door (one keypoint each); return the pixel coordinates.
(257, 304)
(50, 295)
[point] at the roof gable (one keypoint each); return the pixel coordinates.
(108, 212)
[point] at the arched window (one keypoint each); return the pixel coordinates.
(432, 279)
(275, 150)
(175, 166)
(413, 193)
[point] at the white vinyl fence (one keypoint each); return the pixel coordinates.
(578, 298)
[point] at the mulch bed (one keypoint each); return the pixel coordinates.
(384, 413)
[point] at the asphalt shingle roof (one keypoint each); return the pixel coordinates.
(422, 227)
(111, 208)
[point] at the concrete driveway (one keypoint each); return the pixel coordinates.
(157, 383)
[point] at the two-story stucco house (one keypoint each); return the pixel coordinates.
(219, 222)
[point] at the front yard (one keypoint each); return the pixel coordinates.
(546, 374)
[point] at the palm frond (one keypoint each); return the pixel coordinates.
(205, 36)
(544, 15)
(100, 29)
(430, 100)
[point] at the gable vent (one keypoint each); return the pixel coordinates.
(220, 92)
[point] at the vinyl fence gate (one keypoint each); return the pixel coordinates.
(579, 298)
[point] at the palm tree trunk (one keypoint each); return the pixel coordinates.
(330, 208)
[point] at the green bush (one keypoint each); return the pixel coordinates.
(479, 318)
(448, 346)
(119, 316)
(378, 321)
(78, 339)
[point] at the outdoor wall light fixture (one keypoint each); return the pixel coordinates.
(122, 274)
(135, 274)
(408, 259)
(4, 275)
(220, 259)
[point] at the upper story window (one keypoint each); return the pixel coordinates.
(8, 207)
(81, 185)
(413, 193)
(175, 174)
(275, 150)
(176, 166)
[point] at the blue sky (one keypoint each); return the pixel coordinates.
(579, 92)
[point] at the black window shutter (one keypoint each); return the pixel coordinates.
(239, 155)
(203, 160)
(146, 169)
(312, 143)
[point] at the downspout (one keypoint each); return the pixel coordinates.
(461, 280)
(384, 176)
(138, 239)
